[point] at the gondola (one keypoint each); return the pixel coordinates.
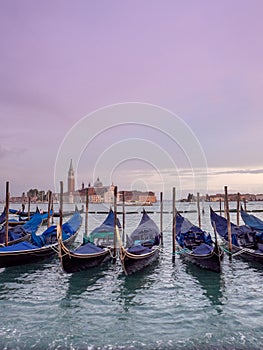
(67, 213)
(13, 222)
(3, 217)
(247, 243)
(41, 246)
(197, 245)
(142, 246)
(252, 221)
(23, 214)
(95, 249)
(19, 212)
(21, 232)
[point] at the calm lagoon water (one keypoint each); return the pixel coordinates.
(167, 306)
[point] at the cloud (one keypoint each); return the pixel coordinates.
(235, 171)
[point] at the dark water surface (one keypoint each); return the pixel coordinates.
(166, 306)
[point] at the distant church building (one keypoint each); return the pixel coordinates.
(98, 183)
(98, 193)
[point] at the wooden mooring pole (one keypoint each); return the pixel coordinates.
(123, 216)
(198, 209)
(115, 223)
(86, 212)
(228, 224)
(52, 210)
(245, 204)
(238, 208)
(161, 217)
(7, 197)
(174, 225)
(61, 204)
(28, 209)
(49, 208)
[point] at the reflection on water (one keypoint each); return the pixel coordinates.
(79, 282)
(13, 278)
(133, 285)
(165, 306)
(256, 266)
(212, 283)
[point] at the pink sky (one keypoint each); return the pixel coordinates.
(61, 60)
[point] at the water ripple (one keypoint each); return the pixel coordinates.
(166, 306)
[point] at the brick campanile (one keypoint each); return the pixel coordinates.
(71, 179)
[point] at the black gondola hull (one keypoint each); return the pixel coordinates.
(8, 259)
(245, 253)
(247, 248)
(132, 263)
(210, 261)
(78, 262)
(66, 213)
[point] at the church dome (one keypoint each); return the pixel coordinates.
(98, 183)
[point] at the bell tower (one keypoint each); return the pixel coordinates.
(71, 179)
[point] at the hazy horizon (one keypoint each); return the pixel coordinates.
(200, 61)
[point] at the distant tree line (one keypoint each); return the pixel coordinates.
(35, 194)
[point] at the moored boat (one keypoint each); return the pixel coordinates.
(23, 217)
(20, 212)
(3, 217)
(142, 246)
(95, 249)
(56, 214)
(247, 243)
(21, 232)
(24, 214)
(252, 221)
(197, 246)
(40, 246)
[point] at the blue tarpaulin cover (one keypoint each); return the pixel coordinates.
(49, 236)
(139, 249)
(109, 221)
(237, 231)
(18, 247)
(252, 221)
(203, 249)
(88, 248)
(147, 230)
(186, 232)
(19, 231)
